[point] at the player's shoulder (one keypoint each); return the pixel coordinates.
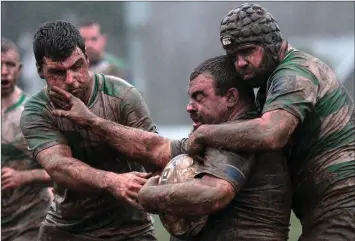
(36, 108)
(114, 86)
(296, 63)
(38, 101)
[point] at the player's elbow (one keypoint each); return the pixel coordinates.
(277, 127)
(223, 199)
(53, 165)
(54, 170)
(274, 141)
(217, 198)
(274, 138)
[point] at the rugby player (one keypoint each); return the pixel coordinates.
(95, 186)
(25, 197)
(247, 196)
(305, 110)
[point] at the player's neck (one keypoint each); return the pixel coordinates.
(239, 111)
(285, 48)
(7, 101)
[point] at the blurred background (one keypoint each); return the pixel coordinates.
(158, 44)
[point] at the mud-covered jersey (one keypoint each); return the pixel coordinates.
(322, 148)
(100, 214)
(23, 208)
(262, 206)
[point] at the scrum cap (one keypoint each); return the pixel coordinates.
(251, 24)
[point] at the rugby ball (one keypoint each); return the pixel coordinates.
(180, 169)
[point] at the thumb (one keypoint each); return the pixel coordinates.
(59, 113)
(143, 174)
(154, 180)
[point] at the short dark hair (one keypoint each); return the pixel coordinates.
(7, 45)
(225, 77)
(56, 40)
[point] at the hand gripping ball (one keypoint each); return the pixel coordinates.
(181, 168)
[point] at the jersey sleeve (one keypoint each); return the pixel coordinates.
(293, 89)
(229, 166)
(178, 147)
(135, 112)
(39, 129)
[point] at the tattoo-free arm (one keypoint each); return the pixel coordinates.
(36, 176)
(143, 146)
(72, 173)
(198, 197)
(290, 98)
(134, 137)
(270, 132)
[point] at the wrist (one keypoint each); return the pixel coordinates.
(110, 182)
(200, 134)
(25, 177)
(91, 121)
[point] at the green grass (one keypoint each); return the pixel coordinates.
(162, 235)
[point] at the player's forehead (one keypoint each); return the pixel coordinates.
(10, 55)
(201, 83)
(75, 56)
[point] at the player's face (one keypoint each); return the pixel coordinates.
(248, 61)
(72, 74)
(10, 71)
(95, 42)
(205, 107)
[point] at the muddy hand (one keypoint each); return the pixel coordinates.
(195, 147)
(126, 187)
(72, 107)
(153, 181)
(145, 195)
(10, 178)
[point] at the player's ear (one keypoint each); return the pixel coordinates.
(40, 70)
(232, 97)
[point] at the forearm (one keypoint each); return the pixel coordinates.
(236, 136)
(269, 133)
(78, 176)
(36, 176)
(181, 200)
(143, 146)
